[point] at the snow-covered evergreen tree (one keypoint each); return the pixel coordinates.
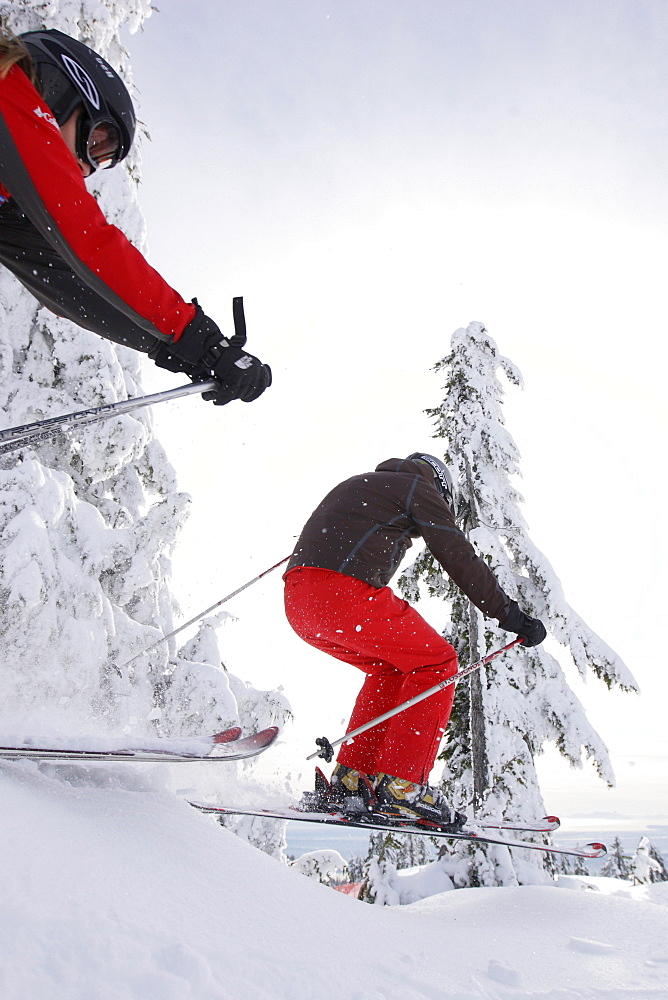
(660, 873)
(87, 522)
(616, 864)
(413, 850)
(323, 866)
(521, 701)
(355, 866)
(580, 867)
(644, 867)
(379, 865)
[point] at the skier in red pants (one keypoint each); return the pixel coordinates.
(337, 599)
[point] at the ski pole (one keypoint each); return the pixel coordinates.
(192, 621)
(15, 437)
(326, 750)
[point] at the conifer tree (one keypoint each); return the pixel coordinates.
(413, 850)
(563, 865)
(356, 868)
(580, 867)
(379, 867)
(616, 864)
(521, 701)
(644, 867)
(660, 873)
(325, 866)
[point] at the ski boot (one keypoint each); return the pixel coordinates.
(403, 799)
(353, 790)
(348, 792)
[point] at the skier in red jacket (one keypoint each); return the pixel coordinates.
(64, 112)
(337, 599)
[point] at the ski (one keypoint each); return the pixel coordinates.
(375, 822)
(227, 745)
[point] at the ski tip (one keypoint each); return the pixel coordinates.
(265, 737)
(227, 735)
(597, 850)
(203, 807)
(553, 821)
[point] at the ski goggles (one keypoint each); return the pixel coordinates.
(98, 143)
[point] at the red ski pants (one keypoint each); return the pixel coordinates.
(400, 654)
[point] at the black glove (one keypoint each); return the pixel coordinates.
(239, 375)
(203, 353)
(531, 630)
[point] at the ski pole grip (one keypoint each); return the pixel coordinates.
(326, 749)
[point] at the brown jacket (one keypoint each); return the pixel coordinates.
(364, 527)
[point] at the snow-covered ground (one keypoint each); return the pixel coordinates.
(114, 888)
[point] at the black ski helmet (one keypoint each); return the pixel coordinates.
(443, 477)
(70, 73)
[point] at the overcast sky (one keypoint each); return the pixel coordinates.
(371, 175)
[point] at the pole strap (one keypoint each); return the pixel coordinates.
(239, 338)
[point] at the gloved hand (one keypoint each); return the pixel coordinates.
(203, 353)
(240, 376)
(531, 630)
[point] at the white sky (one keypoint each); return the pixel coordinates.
(371, 175)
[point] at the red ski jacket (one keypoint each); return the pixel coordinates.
(61, 227)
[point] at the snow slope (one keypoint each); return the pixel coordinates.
(113, 888)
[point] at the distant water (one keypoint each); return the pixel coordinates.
(304, 837)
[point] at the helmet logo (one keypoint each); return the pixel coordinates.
(103, 66)
(82, 80)
(445, 484)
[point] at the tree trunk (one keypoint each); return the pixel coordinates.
(479, 763)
